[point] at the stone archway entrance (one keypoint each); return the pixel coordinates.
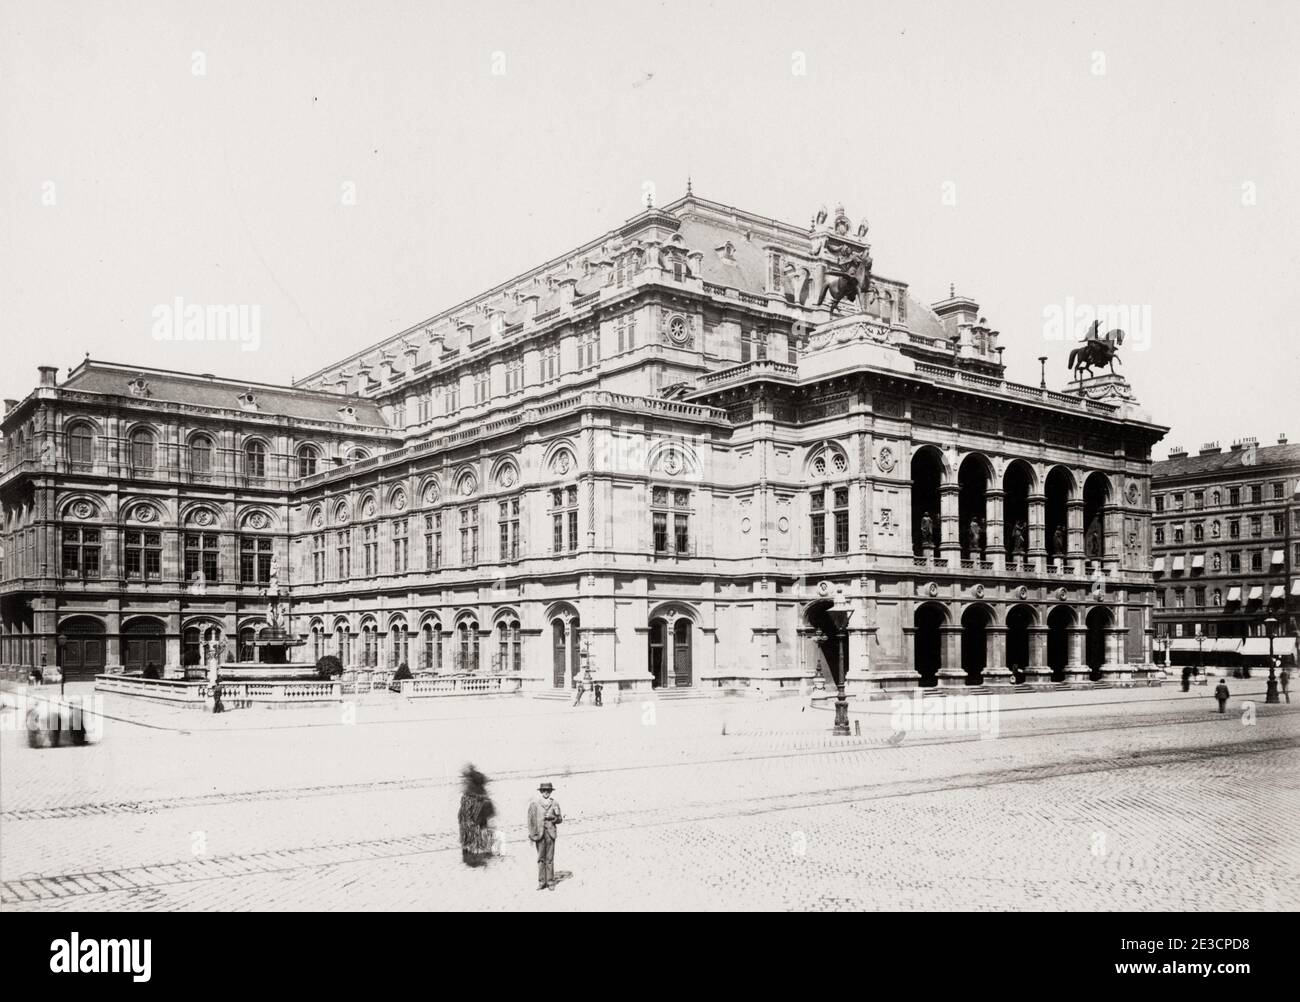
(975, 622)
(927, 642)
(83, 656)
(671, 652)
(823, 642)
(1098, 622)
(1059, 622)
(1020, 619)
(565, 652)
(143, 644)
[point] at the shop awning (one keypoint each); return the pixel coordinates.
(1278, 592)
(1184, 645)
(1256, 593)
(1258, 646)
(1234, 594)
(1159, 567)
(1278, 556)
(1295, 587)
(1198, 562)
(1224, 645)
(1180, 563)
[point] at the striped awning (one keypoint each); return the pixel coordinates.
(1198, 562)
(1256, 593)
(1295, 587)
(1159, 567)
(1180, 563)
(1234, 594)
(1278, 592)
(1282, 646)
(1279, 556)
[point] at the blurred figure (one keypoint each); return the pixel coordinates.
(476, 813)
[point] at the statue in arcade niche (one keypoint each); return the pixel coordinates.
(976, 537)
(1058, 541)
(1094, 537)
(1018, 539)
(927, 533)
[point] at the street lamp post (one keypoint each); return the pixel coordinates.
(61, 643)
(1200, 653)
(840, 616)
(1270, 696)
(1042, 366)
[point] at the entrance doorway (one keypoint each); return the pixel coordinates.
(83, 657)
(142, 644)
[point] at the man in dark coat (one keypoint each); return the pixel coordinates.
(1221, 694)
(543, 815)
(476, 812)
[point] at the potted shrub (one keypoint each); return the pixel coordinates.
(329, 668)
(403, 672)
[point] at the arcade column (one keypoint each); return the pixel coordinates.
(1038, 670)
(949, 537)
(951, 674)
(1076, 667)
(996, 671)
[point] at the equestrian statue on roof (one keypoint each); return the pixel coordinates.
(1096, 349)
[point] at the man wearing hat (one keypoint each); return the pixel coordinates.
(543, 815)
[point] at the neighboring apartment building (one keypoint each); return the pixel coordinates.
(656, 448)
(1227, 548)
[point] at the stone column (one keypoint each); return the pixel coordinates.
(1037, 670)
(1076, 667)
(949, 537)
(996, 671)
(1074, 533)
(1114, 648)
(1037, 538)
(994, 545)
(1112, 542)
(951, 674)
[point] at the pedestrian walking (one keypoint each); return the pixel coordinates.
(477, 844)
(582, 689)
(596, 690)
(1221, 694)
(543, 815)
(1285, 679)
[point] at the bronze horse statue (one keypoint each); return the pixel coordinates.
(1096, 350)
(852, 282)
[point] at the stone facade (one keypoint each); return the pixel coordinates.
(655, 456)
(1227, 546)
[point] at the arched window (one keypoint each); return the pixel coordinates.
(509, 647)
(142, 455)
(255, 460)
(400, 641)
(356, 455)
(201, 456)
(307, 458)
(431, 655)
(343, 643)
(81, 446)
(467, 655)
(369, 645)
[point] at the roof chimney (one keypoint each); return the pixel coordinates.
(1210, 449)
(49, 374)
(1281, 439)
(1177, 452)
(10, 404)
(1244, 443)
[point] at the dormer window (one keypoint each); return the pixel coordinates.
(138, 387)
(727, 252)
(248, 400)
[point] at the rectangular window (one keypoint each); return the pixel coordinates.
(254, 560)
(1256, 561)
(682, 532)
(370, 550)
(1234, 562)
(400, 545)
(201, 556)
(1277, 491)
(1256, 526)
(1234, 496)
(514, 375)
(818, 503)
(625, 330)
(1277, 525)
(1198, 499)
(660, 523)
(318, 557)
(564, 516)
(1256, 493)
(343, 550)
(1234, 528)
(481, 386)
(433, 541)
(81, 553)
(550, 363)
(841, 520)
(746, 345)
(469, 535)
(508, 526)
(1160, 502)
(451, 397)
(589, 349)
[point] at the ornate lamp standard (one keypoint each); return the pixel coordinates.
(1270, 696)
(1200, 650)
(840, 616)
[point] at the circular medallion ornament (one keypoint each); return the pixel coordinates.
(467, 485)
(83, 509)
(258, 520)
(677, 330)
(144, 513)
(204, 517)
(399, 500)
(978, 591)
(823, 588)
(1133, 493)
(1060, 594)
(431, 494)
(932, 589)
(745, 525)
(886, 460)
(507, 478)
(672, 463)
(318, 521)
(783, 524)
(370, 508)
(561, 463)
(1022, 593)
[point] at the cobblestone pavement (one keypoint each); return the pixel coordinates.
(1122, 800)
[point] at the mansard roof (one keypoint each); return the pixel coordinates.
(1228, 462)
(213, 391)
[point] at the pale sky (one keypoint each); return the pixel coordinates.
(1030, 152)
